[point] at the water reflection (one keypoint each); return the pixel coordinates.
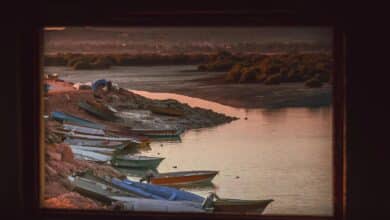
(283, 154)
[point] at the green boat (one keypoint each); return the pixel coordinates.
(136, 161)
(227, 205)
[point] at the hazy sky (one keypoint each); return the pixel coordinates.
(137, 38)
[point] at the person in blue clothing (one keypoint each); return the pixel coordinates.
(99, 85)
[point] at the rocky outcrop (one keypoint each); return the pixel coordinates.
(60, 163)
(72, 200)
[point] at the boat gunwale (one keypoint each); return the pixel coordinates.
(190, 173)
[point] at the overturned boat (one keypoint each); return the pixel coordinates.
(136, 161)
(182, 177)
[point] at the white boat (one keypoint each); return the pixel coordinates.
(94, 137)
(91, 156)
(83, 130)
(136, 161)
(154, 205)
(93, 149)
(96, 143)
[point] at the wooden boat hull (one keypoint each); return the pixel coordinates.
(183, 178)
(241, 206)
(120, 162)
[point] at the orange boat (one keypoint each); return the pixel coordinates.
(182, 178)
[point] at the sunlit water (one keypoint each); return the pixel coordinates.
(283, 154)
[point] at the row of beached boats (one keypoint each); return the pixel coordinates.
(95, 142)
(135, 196)
(92, 143)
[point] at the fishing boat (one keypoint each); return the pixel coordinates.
(99, 190)
(99, 138)
(153, 205)
(90, 155)
(82, 129)
(94, 149)
(241, 206)
(96, 143)
(64, 117)
(98, 110)
(166, 110)
(158, 133)
(156, 192)
(235, 205)
(136, 172)
(182, 177)
(136, 161)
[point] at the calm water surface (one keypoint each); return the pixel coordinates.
(284, 154)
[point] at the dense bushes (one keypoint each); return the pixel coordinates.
(314, 69)
(314, 82)
(95, 61)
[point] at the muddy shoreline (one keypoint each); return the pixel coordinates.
(60, 162)
(268, 96)
(185, 80)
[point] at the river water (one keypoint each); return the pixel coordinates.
(284, 154)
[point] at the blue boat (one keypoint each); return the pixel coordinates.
(156, 192)
(64, 117)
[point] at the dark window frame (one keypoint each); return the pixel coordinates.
(270, 16)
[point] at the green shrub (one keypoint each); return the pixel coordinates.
(234, 74)
(202, 67)
(248, 74)
(294, 76)
(261, 77)
(273, 79)
(82, 65)
(313, 83)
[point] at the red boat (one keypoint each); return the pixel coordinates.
(182, 178)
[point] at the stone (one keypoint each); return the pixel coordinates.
(54, 156)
